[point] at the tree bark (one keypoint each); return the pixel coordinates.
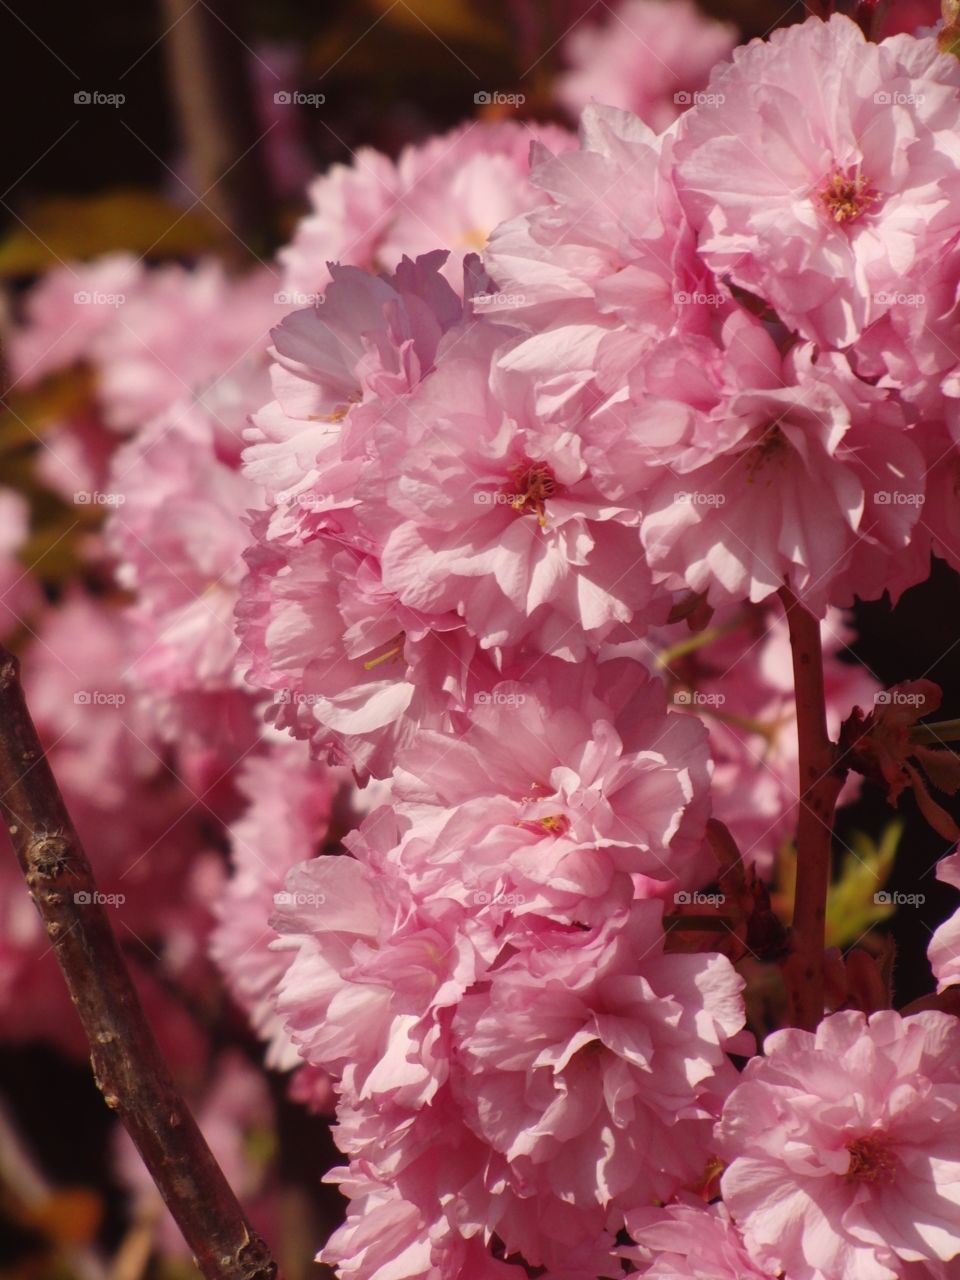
(127, 1064)
(820, 779)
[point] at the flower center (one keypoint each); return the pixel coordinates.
(846, 196)
(769, 449)
(475, 238)
(394, 651)
(871, 1160)
(554, 824)
(531, 484)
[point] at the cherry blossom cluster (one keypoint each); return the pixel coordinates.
(444, 661)
(135, 674)
(700, 366)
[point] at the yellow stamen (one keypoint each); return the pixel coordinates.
(371, 663)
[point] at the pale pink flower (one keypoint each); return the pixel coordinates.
(347, 665)
(143, 828)
(842, 1146)
(538, 807)
(738, 522)
(606, 270)
(388, 1238)
(457, 188)
(447, 193)
(491, 512)
(944, 949)
(68, 311)
(351, 207)
(372, 336)
(372, 975)
(824, 206)
(75, 678)
(178, 533)
(180, 332)
(74, 457)
(151, 336)
(689, 1241)
(593, 1062)
(289, 802)
(649, 57)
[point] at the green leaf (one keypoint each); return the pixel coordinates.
(852, 908)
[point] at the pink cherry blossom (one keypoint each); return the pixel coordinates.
(687, 1241)
(540, 808)
(492, 513)
(824, 206)
(150, 336)
(569, 1059)
(289, 803)
(606, 270)
(944, 949)
(448, 193)
(180, 332)
(68, 311)
(812, 436)
(842, 1146)
(643, 58)
(372, 973)
(178, 534)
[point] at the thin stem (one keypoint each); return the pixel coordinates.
(127, 1064)
(937, 731)
(820, 784)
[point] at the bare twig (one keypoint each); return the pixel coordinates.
(127, 1064)
(820, 782)
(210, 73)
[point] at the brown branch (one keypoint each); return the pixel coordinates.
(127, 1063)
(821, 780)
(209, 66)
